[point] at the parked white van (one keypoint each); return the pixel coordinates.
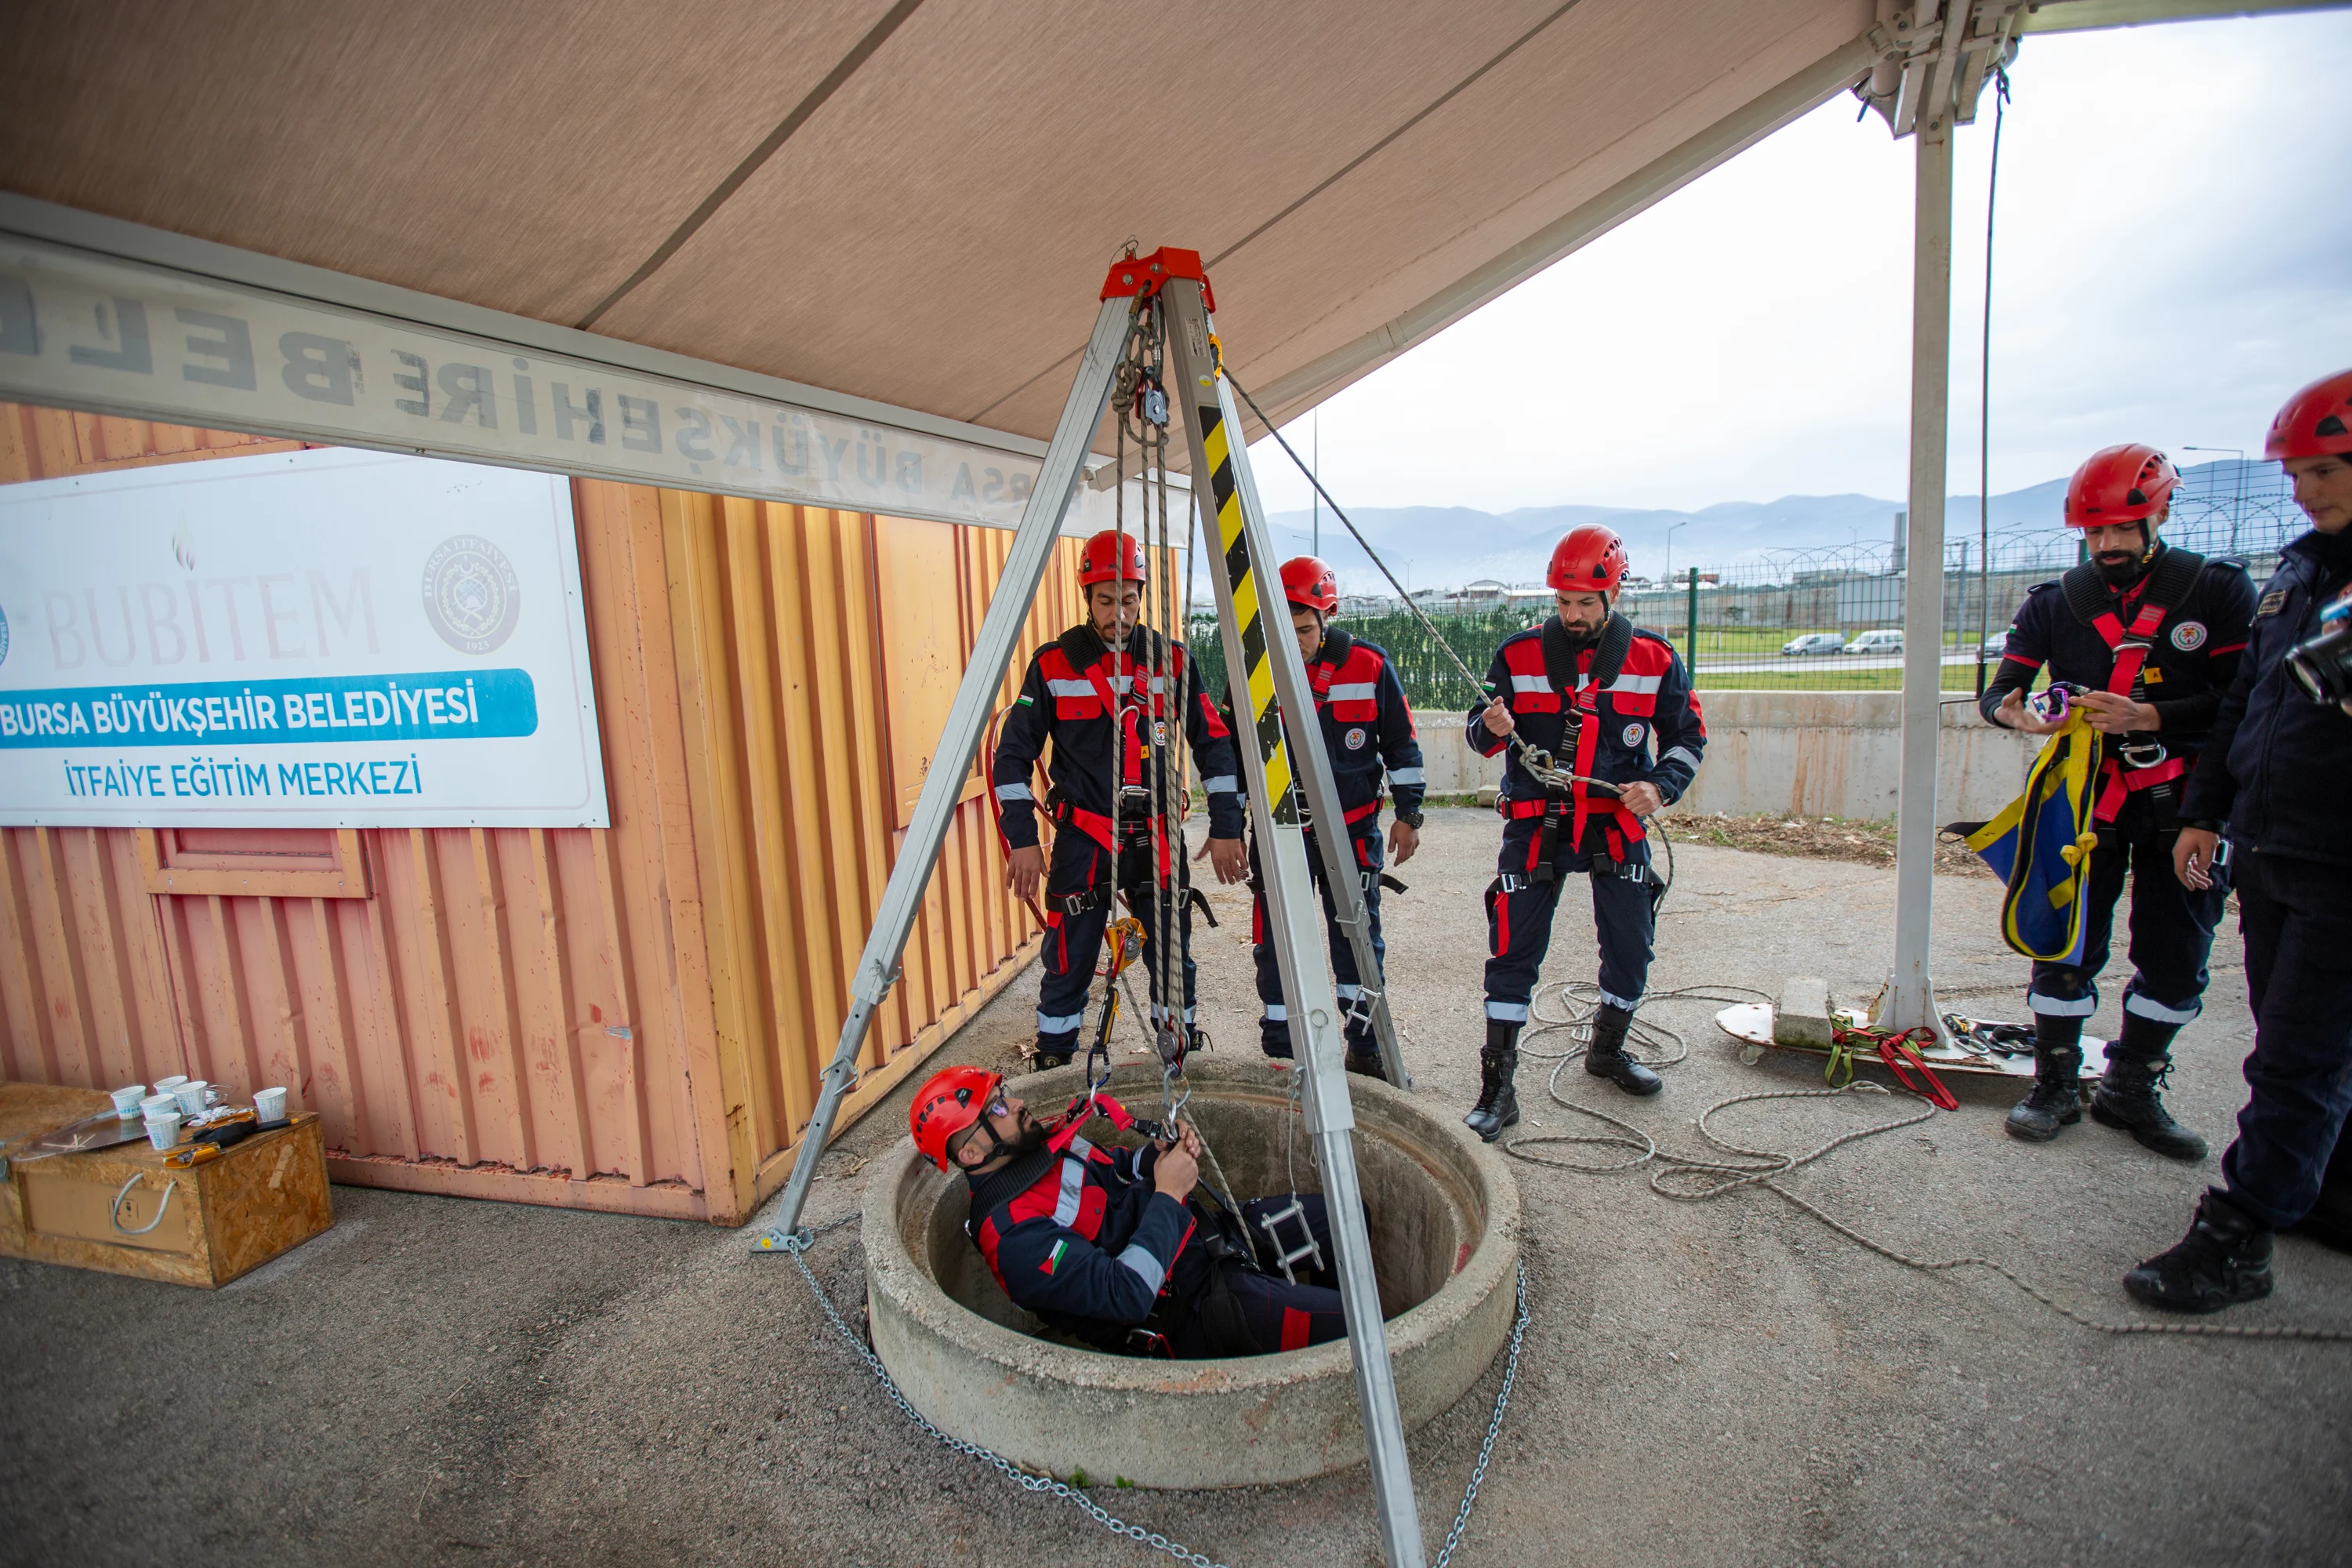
(1890, 641)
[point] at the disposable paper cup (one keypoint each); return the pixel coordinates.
(127, 1099)
(163, 1132)
(156, 1105)
(269, 1104)
(166, 1085)
(190, 1096)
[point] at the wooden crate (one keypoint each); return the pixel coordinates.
(221, 1219)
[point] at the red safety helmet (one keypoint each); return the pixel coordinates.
(2315, 422)
(2120, 484)
(951, 1101)
(1109, 554)
(1591, 559)
(1310, 583)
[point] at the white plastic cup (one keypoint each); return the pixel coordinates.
(163, 1132)
(166, 1085)
(127, 1099)
(190, 1096)
(269, 1104)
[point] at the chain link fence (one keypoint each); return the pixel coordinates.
(1813, 620)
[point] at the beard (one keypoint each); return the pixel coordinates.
(2119, 574)
(1032, 1137)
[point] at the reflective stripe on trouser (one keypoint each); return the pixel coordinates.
(1074, 942)
(1273, 1030)
(2171, 932)
(2297, 930)
(1281, 1315)
(1519, 912)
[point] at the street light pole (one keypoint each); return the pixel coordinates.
(1669, 573)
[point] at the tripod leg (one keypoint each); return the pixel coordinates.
(999, 632)
(1261, 668)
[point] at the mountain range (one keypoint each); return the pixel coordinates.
(1435, 547)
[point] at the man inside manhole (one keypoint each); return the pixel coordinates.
(1124, 1249)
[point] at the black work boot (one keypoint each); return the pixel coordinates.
(2225, 1258)
(1052, 1051)
(2057, 1098)
(1606, 1058)
(2127, 1095)
(1498, 1104)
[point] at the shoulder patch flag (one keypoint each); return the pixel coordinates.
(1053, 1259)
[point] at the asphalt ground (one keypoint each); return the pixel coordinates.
(438, 1380)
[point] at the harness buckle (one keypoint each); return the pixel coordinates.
(2138, 754)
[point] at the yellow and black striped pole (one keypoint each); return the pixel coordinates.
(1271, 679)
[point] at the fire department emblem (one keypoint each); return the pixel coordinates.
(471, 594)
(1160, 732)
(2189, 636)
(1632, 734)
(1355, 739)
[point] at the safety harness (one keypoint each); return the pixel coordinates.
(1580, 702)
(2138, 763)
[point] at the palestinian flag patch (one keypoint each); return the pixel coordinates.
(1028, 701)
(1053, 1259)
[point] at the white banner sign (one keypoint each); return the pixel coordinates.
(79, 330)
(318, 638)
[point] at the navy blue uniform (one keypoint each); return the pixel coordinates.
(1093, 1249)
(1644, 725)
(1068, 696)
(2193, 656)
(2276, 768)
(1368, 731)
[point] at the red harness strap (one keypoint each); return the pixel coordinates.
(2118, 779)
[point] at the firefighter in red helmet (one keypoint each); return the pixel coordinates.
(1125, 1248)
(1606, 701)
(1103, 693)
(1368, 732)
(2151, 635)
(2275, 773)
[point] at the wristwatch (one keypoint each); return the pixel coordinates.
(1410, 819)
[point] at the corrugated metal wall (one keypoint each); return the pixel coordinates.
(628, 1018)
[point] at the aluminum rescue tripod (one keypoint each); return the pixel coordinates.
(1269, 672)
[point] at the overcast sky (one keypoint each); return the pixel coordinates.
(2174, 255)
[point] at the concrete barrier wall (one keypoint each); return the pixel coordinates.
(1818, 753)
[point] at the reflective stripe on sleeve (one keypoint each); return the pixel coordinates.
(1074, 1188)
(1013, 792)
(1683, 752)
(1137, 1259)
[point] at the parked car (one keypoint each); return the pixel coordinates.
(1812, 643)
(1889, 641)
(1995, 644)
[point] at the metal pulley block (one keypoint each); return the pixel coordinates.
(1155, 405)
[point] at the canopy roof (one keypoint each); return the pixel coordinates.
(914, 200)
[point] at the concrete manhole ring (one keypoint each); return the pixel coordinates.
(1444, 1214)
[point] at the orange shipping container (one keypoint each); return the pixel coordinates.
(629, 1018)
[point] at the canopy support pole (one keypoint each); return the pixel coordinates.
(1909, 1000)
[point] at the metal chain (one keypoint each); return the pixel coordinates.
(796, 1246)
(798, 1243)
(1494, 1428)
